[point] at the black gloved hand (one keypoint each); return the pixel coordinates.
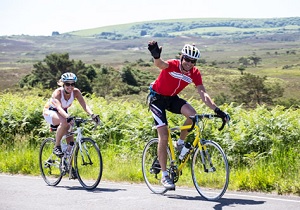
(96, 118)
(222, 114)
(154, 49)
(69, 119)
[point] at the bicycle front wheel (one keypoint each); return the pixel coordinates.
(49, 163)
(88, 163)
(210, 170)
(151, 167)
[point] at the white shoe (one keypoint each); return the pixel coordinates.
(167, 183)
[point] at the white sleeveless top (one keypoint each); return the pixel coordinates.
(65, 104)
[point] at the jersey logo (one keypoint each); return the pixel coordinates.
(181, 77)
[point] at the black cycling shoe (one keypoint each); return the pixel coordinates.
(58, 152)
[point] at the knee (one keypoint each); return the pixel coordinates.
(64, 124)
(187, 110)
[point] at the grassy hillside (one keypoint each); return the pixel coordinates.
(197, 26)
(276, 41)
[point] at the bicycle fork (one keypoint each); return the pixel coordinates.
(84, 152)
(205, 157)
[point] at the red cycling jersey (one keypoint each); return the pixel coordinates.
(171, 80)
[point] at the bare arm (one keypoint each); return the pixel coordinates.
(79, 97)
(56, 102)
(205, 97)
(161, 64)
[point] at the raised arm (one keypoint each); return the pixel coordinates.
(155, 52)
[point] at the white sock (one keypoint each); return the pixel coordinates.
(180, 142)
(165, 173)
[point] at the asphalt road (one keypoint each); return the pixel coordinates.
(30, 193)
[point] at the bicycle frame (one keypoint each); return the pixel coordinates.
(194, 144)
(79, 136)
(209, 164)
(83, 161)
(195, 127)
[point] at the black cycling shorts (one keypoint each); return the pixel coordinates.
(160, 104)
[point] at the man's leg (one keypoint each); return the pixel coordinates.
(187, 110)
(162, 156)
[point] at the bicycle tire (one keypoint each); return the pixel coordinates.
(211, 184)
(49, 163)
(88, 164)
(151, 169)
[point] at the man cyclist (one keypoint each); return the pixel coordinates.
(175, 75)
(56, 109)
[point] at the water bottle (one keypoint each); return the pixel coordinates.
(185, 150)
(64, 147)
(70, 148)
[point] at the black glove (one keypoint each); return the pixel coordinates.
(154, 49)
(69, 119)
(222, 114)
(96, 118)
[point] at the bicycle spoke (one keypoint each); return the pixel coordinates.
(151, 168)
(210, 171)
(49, 163)
(88, 164)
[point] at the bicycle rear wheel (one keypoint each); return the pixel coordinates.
(210, 177)
(88, 164)
(151, 168)
(49, 163)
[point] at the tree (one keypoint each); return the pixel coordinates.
(252, 90)
(108, 79)
(244, 61)
(143, 33)
(128, 76)
(241, 69)
(47, 73)
(255, 60)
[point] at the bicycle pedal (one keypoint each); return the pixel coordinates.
(72, 177)
(172, 189)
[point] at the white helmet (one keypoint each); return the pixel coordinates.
(68, 77)
(190, 51)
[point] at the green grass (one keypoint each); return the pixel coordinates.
(261, 177)
(262, 145)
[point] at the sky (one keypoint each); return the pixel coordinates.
(42, 17)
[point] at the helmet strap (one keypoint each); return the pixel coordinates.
(66, 91)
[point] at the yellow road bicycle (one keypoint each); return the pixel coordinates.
(209, 164)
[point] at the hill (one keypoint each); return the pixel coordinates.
(195, 27)
(221, 41)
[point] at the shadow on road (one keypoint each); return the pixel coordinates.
(97, 190)
(222, 202)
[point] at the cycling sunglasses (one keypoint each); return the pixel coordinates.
(70, 84)
(187, 59)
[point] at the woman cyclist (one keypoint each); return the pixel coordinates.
(56, 109)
